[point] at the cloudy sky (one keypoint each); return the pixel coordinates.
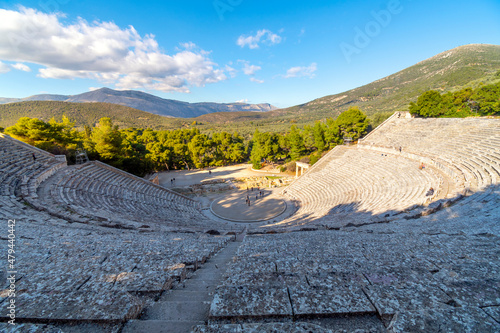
(281, 52)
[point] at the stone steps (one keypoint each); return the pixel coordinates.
(160, 326)
(188, 304)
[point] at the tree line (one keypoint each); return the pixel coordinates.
(141, 151)
(482, 101)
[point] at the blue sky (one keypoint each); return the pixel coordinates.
(282, 52)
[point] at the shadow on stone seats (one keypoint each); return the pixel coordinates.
(350, 215)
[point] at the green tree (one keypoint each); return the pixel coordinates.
(181, 157)
(308, 137)
(351, 123)
(30, 130)
(488, 98)
(319, 136)
(227, 148)
(428, 104)
(258, 153)
(107, 139)
(64, 133)
(200, 150)
(297, 147)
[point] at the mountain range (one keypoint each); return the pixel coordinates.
(146, 102)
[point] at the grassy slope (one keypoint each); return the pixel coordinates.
(451, 70)
(83, 114)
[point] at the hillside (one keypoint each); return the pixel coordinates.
(82, 114)
(462, 66)
(147, 102)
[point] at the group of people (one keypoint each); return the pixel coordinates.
(172, 181)
(257, 196)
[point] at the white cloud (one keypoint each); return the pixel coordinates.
(21, 67)
(249, 69)
(230, 70)
(243, 101)
(256, 80)
(102, 51)
(188, 46)
(252, 42)
(4, 68)
(301, 71)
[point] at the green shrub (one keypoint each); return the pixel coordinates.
(313, 158)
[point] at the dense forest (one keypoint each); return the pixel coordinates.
(141, 151)
(482, 101)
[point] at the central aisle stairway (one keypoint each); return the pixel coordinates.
(188, 304)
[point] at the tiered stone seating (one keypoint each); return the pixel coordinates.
(467, 149)
(351, 180)
(70, 272)
(85, 273)
(403, 281)
(413, 273)
(381, 176)
(19, 173)
(99, 191)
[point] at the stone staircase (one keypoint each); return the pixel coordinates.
(188, 304)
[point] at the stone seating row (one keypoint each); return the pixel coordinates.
(99, 172)
(469, 146)
(397, 276)
(111, 190)
(93, 190)
(69, 273)
(145, 204)
(19, 172)
(13, 150)
(84, 273)
(363, 180)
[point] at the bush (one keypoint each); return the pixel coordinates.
(256, 165)
(314, 157)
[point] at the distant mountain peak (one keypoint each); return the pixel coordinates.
(147, 102)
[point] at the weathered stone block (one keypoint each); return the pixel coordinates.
(389, 299)
(71, 306)
(342, 299)
(443, 320)
(246, 301)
